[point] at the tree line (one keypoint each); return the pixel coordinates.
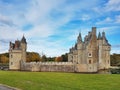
(36, 57)
(115, 59)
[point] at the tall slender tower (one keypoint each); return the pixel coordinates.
(17, 53)
(23, 48)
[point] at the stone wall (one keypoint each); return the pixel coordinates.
(48, 66)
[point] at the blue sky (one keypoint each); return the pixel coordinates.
(52, 26)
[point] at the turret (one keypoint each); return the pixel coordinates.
(23, 40)
(79, 39)
(93, 37)
(93, 30)
(23, 47)
(79, 44)
(23, 43)
(99, 36)
(105, 41)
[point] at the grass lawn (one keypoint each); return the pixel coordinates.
(60, 81)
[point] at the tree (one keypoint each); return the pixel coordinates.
(44, 58)
(4, 58)
(58, 59)
(33, 56)
(50, 59)
(65, 57)
(115, 59)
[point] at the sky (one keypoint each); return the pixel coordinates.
(52, 26)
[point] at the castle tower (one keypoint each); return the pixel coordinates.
(80, 49)
(105, 53)
(23, 48)
(100, 50)
(92, 52)
(17, 53)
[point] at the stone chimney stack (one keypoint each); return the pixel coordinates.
(94, 30)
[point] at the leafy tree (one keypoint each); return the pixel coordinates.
(50, 59)
(58, 59)
(65, 57)
(44, 58)
(4, 58)
(33, 56)
(115, 60)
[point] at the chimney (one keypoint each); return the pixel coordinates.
(94, 30)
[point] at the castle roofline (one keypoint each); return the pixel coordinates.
(23, 40)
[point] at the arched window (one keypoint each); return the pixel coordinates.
(89, 61)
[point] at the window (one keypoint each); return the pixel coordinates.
(11, 63)
(11, 56)
(89, 54)
(89, 61)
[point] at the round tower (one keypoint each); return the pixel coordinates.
(23, 48)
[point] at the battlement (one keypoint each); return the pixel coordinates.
(48, 66)
(50, 63)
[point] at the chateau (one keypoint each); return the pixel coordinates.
(90, 55)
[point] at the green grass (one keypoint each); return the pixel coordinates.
(60, 81)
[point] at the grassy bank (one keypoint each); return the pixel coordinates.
(59, 81)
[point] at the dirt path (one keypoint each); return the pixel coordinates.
(4, 87)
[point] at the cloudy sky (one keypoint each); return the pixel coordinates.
(52, 26)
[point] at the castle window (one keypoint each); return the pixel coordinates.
(89, 55)
(89, 61)
(11, 56)
(11, 63)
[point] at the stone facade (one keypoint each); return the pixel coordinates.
(90, 55)
(48, 66)
(17, 53)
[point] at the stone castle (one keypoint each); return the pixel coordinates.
(90, 55)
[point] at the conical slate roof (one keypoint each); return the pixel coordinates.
(79, 38)
(99, 36)
(23, 40)
(104, 38)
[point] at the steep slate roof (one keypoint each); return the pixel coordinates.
(99, 36)
(79, 38)
(23, 40)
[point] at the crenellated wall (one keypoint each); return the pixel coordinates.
(48, 66)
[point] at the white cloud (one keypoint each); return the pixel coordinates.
(85, 17)
(107, 20)
(8, 33)
(117, 19)
(115, 51)
(113, 5)
(46, 18)
(110, 30)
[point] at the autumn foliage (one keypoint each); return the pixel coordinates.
(58, 59)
